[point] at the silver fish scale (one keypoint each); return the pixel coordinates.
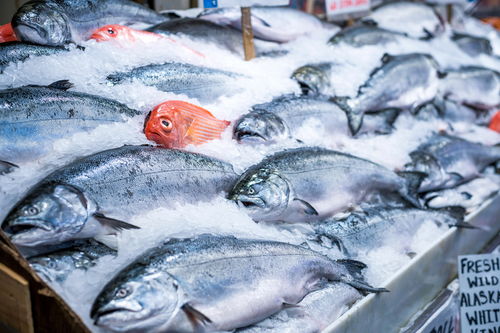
(134, 178)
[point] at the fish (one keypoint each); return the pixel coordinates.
(362, 232)
(495, 122)
(16, 52)
(440, 108)
(33, 117)
(449, 161)
(310, 184)
(275, 24)
(283, 117)
(58, 265)
(417, 20)
(313, 314)
(365, 34)
(125, 36)
(59, 22)
(176, 124)
(222, 36)
(315, 79)
(7, 33)
(203, 83)
(474, 86)
(188, 285)
(472, 45)
(92, 197)
(381, 91)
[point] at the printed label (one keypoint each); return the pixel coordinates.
(479, 277)
(337, 7)
(241, 3)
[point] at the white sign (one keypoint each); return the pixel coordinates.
(445, 319)
(241, 3)
(479, 277)
(342, 7)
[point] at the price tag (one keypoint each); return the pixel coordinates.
(339, 9)
(241, 3)
(479, 277)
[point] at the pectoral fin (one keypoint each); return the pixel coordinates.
(6, 167)
(308, 208)
(194, 315)
(113, 223)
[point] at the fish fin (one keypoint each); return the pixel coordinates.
(355, 278)
(389, 116)
(442, 75)
(428, 35)
(109, 240)
(308, 208)
(61, 85)
(355, 120)
(7, 167)
(369, 22)
(458, 213)
(413, 181)
(113, 223)
(411, 254)
(290, 305)
(386, 57)
(195, 315)
(456, 176)
(466, 195)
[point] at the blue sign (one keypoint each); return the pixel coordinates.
(210, 3)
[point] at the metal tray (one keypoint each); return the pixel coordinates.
(417, 283)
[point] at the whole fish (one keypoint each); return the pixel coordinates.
(275, 24)
(58, 22)
(471, 85)
(365, 34)
(310, 184)
(223, 36)
(415, 19)
(176, 124)
(205, 84)
(472, 45)
(32, 118)
(283, 117)
(385, 89)
(58, 265)
(91, 196)
(315, 79)
(453, 112)
(312, 315)
(373, 228)
(449, 161)
(188, 285)
(15, 52)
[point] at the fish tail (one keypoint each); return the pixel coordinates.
(410, 191)
(458, 214)
(354, 118)
(355, 278)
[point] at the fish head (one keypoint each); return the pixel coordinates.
(263, 193)
(52, 268)
(311, 79)
(41, 22)
(49, 215)
(113, 32)
(136, 300)
(260, 126)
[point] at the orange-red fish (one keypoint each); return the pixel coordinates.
(176, 124)
(7, 33)
(126, 36)
(495, 122)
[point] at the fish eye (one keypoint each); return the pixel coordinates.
(122, 292)
(30, 211)
(111, 31)
(52, 265)
(166, 124)
(251, 190)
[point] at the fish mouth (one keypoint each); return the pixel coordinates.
(250, 203)
(106, 317)
(247, 135)
(307, 89)
(35, 35)
(18, 227)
